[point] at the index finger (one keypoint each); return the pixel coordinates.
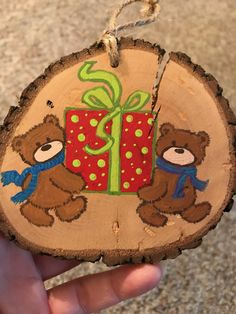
(93, 293)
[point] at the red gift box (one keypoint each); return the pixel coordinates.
(136, 149)
(113, 149)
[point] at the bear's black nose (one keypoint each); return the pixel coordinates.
(46, 147)
(179, 150)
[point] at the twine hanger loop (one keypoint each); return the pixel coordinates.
(150, 11)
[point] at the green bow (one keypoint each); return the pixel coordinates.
(108, 98)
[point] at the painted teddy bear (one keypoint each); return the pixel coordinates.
(174, 183)
(46, 184)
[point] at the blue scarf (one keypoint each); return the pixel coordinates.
(184, 173)
(18, 179)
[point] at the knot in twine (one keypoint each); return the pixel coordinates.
(150, 11)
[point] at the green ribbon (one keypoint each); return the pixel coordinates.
(108, 97)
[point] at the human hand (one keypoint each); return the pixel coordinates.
(22, 290)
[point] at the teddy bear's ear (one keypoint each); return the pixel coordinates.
(17, 143)
(51, 119)
(166, 128)
(205, 139)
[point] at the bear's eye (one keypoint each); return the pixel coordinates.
(38, 144)
(48, 139)
(173, 143)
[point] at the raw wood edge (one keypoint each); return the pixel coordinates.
(116, 257)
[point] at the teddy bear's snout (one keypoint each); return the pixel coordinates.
(48, 151)
(46, 147)
(179, 150)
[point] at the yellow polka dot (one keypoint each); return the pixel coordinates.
(122, 171)
(138, 133)
(144, 180)
(93, 122)
(126, 130)
(144, 150)
(99, 184)
(76, 163)
(74, 118)
(150, 121)
(140, 122)
(144, 162)
(103, 174)
(100, 115)
(101, 163)
(69, 142)
(134, 145)
(128, 155)
(85, 157)
(129, 118)
(71, 131)
(139, 171)
(81, 128)
(81, 137)
(132, 179)
(126, 185)
(124, 144)
(86, 114)
(92, 177)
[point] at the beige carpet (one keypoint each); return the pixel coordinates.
(34, 33)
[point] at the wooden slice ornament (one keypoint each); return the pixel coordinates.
(100, 161)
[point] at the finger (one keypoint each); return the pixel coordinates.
(50, 267)
(21, 286)
(96, 292)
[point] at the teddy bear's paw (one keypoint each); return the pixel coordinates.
(150, 215)
(197, 212)
(149, 193)
(36, 215)
(71, 210)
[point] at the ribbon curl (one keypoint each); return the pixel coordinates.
(108, 98)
